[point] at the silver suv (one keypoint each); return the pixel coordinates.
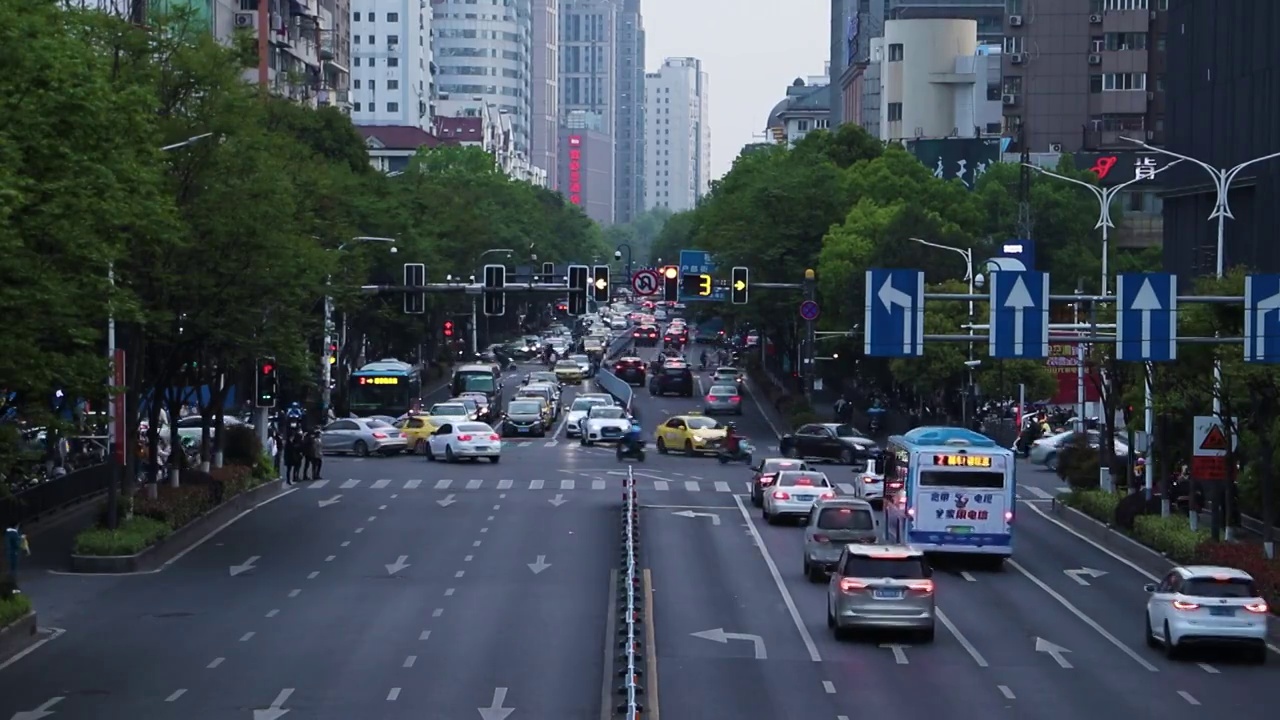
(887, 587)
(832, 525)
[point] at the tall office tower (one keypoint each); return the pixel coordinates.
(544, 135)
(588, 87)
(629, 123)
(677, 139)
(391, 63)
(483, 52)
(1097, 65)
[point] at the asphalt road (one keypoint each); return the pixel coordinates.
(740, 632)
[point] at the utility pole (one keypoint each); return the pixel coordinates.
(1025, 222)
(807, 353)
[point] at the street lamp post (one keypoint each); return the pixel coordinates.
(617, 255)
(326, 358)
(969, 277)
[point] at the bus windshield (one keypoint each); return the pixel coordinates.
(383, 395)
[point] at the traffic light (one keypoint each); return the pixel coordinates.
(697, 284)
(264, 383)
(548, 273)
(333, 353)
(578, 289)
(671, 283)
(739, 285)
(1128, 414)
(600, 283)
(415, 276)
(448, 328)
(495, 278)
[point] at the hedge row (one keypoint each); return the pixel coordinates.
(152, 520)
(13, 608)
(1174, 537)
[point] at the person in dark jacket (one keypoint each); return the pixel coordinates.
(293, 454)
(314, 455)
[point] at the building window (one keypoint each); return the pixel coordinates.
(393, 107)
(1095, 83)
(1124, 81)
(1126, 41)
(1013, 7)
(393, 39)
(895, 52)
(355, 40)
(1098, 42)
(357, 62)
(393, 62)
(895, 112)
(355, 84)
(373, 62)
(802, 125)
(1013, 85)
(372, 41)
(1160, 82)
(1160, 40)
(1164, 4)
(1125, 4)
(393, 17)
(393, 84)
(1014, 44)
(355, 17)
(357, 107)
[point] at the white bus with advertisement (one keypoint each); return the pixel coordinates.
(956, 496)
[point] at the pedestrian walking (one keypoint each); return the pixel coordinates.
(16, 545)
(293, 453)
(273, 448)
(315, 458)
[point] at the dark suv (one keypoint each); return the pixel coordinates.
(672, 379)
(630, 370)
(646, 335)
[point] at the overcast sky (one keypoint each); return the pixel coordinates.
(751, 51)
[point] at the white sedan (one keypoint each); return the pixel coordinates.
(605, 423)
(454, 441)
(794, 493)
(1207, 605)
(1045, 450)
(578, 413)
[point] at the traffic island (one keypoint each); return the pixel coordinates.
(158, 529)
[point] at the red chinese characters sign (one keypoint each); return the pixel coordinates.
(575, 169)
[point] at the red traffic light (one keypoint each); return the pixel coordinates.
(268, 368)
(448, 328)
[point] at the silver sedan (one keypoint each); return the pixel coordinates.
(722, 399)
(362, 436)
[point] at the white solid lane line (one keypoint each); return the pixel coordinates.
(960, 638)
(1187, 696)
(1006, 692)
(176, 694)
(829, 687)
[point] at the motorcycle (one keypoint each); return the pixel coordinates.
(744, 453)
(633, 449)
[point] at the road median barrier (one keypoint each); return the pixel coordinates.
(631, 610)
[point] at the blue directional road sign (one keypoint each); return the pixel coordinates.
(894, 325)
(693, 262)
(1147, 317)
(1262, 318)
(1019, 315)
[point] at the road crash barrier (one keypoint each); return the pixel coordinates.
(615, 386)
(630, 607)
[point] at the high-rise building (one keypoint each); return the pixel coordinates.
(544, 133)
(586, 165)
(484, 51)
(391, 80)
(677, 135)
(1083, 75)
(629, 115)
(588, 89)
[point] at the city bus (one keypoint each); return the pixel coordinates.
(956, 496)
(386, 387)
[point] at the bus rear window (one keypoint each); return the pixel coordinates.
(972, 479)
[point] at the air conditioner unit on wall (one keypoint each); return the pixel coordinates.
(1095, 59)
(1010, 99)
(1095, 19)
(246, 19)
(1015, 21)
(1016, 58)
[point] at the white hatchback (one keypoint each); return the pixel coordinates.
(454, 441)
(793, 494)
(1207, 605)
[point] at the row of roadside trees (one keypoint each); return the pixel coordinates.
(142, 179)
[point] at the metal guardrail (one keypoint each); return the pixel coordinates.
(616, 387)
(630, 606)
(55, 494)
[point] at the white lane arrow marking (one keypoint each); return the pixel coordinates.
(558, 500)
(720, 636)
(44, 710)
(245, 566)
(1019, 300)
(275, 711)
(398, 565)
(890, 296)
(1145, 302)
(447, 501)
(715, 519)
(331, 501)
(1055, 651)
(496, 711)
(1079, 574)
(899, 652)
(1260, 311)
(540, 565)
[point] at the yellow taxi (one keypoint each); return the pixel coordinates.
(417, 428)
(690, 434)
(568, 372)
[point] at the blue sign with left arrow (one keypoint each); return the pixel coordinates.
(1019, 315)
(894, 323)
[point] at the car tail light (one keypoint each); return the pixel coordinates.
(828, 495)
(821, 538)
(495, 437)
(868, 479)
(379, 436)
(1258, 607)
(781, 495)
(711, 398)
(895, 486)
(911, 512)
(851, 585)
(767, 479)
(1008, 516)
(924, 587)
(735, 398)
(464, 438)
(804, 481)
(1180, 605)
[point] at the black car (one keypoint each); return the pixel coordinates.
(630, 370)
(646, 335)
(673, 379)
(838, 442)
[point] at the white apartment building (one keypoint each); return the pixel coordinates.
(936, 81)
(476, 123)
(677, 135)
(391, 79)
(485, 48)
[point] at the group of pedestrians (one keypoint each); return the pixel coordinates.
(301, 453)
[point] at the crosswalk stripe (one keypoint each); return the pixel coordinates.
(722, 486)
(443, 484)
(317, 484)
(535, 484)
(661, 485)
(846, 488)
(381, 484)
(350, 484)
(597, 484)
(746, 486)
(504, 484)
(412, 484)
(691, 485)
(566, 484)
(474, 484)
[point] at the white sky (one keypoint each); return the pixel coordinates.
(751, 51)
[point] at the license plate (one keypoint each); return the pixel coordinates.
(886, 594)
(484, 448)
(1222, 611)
(805, 498)
(523, 429)
(959, 529)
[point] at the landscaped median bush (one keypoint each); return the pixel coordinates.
(1174, 537)
(13, 608)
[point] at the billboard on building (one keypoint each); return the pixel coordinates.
(575, 169)
(963, 159)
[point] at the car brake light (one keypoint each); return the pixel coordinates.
(821, 538)
(767, 479)
(803, 481)
(1258, 607)
(380, 436)
(827, 495)
(781, 495)
(495, 437)
(924, 587)
(1008, 516)
(735, 398)
(464, 438)
(851, 585)
(895, 486)
(1180, 605)
(868, 479)
(711, 398)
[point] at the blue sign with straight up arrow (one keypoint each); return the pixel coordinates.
(1147, 317)
(894, 325)
(1019, 315)
(1262, 318)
